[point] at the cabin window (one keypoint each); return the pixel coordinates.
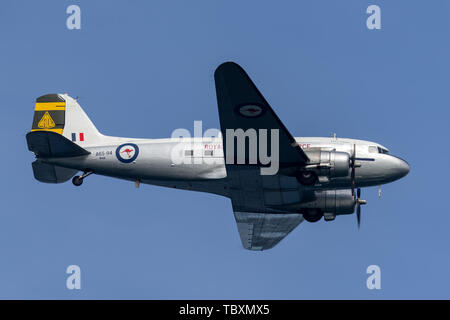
(209, 153)
(188, 153)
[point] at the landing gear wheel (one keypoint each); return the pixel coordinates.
(306, 178)
(312, 215)
(77, 181)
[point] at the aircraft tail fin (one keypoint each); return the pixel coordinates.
(61, 114)
(50, 173)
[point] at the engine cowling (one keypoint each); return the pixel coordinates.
(333, 201)
(331, 164)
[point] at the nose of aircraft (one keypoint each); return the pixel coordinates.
(399, 168)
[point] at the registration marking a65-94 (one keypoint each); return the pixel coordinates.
(103, 154)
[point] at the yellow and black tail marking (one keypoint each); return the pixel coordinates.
(49, 114)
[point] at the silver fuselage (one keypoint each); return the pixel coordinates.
(204, 169)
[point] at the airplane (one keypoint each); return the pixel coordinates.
(316, 177)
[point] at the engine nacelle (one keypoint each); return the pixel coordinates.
(330, 164)
(332, 201)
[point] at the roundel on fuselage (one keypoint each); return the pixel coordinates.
(127, 152)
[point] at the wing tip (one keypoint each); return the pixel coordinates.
(228, 66)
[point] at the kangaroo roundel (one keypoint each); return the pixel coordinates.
(127, 152)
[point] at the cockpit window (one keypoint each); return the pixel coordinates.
(373, 149)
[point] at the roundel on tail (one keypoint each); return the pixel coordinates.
(250, 110)
(127, 152)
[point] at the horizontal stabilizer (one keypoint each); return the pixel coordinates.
(48, 144)
(50, 173)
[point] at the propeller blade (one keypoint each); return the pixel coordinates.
(359, 202)
(354, 155)
(353, 181)
(353, 162)
(358, 214)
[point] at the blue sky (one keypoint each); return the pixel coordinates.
(145, 68)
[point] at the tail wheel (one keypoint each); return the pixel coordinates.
(307, 178)
(312, 215)
(77, 181)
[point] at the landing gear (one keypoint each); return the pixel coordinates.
(78, 180)
(312, 215)
(306, 178)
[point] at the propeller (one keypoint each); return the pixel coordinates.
(358, 200)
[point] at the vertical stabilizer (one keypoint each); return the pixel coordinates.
(62, 114)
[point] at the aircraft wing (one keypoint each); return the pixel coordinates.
(242, 106)
(262, 231)
(255, 197)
